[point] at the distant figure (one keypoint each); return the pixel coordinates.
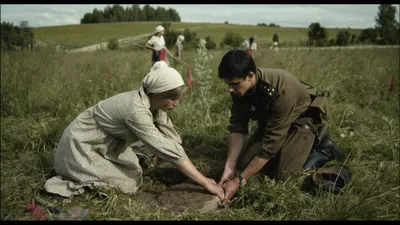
(157, 44)
(274, 47)
(250, 45)
(179, 46)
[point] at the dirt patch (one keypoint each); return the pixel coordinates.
(184, 196)
(168, 175)
(148, 197)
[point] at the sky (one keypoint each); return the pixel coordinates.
(353, 16)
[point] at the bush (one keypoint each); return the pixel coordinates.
(170, 38)
(222, 45)
(210, 43)
(369, 35)
(233, 39)
(113, 44)
(353, 39)
(343, 38)
(331, 42)
(190, 36)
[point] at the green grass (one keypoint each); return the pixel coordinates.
(74, 36)
(42, 92)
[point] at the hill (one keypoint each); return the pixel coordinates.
(75, 36)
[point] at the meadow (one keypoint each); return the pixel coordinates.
(74, 36)
(41, 92)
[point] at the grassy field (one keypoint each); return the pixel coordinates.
(42, 92)
(74, 36)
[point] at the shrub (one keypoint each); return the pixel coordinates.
(113, 44)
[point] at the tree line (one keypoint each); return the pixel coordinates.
(385, 32)
(13, 36)
(117, 13)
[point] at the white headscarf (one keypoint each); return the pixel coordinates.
(159, 65)
(181, 38)
(162, 79)
(159, 29)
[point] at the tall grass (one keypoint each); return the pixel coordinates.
(42, 92)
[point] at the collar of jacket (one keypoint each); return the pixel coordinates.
(256, 87)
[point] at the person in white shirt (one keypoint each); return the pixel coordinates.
(250, 45)
(157, 44)
(179, 46)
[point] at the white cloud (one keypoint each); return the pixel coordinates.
(355, 16)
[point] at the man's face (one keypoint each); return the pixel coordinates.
(239, 86)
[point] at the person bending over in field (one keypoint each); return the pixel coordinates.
(288, 115)
(92, 150)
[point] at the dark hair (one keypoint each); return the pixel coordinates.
(175, 93)
(236, 63)
(251, 40)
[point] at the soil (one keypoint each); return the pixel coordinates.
(169, 176)
(149, 197)
(184, 196)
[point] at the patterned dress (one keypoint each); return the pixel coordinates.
(93, 148)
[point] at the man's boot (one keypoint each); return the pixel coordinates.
(325, 152)
(331, 145)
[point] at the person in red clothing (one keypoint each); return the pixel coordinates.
(157, 44)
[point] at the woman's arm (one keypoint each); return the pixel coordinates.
(187, 168)
(141, 124)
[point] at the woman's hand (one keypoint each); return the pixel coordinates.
(216, 189)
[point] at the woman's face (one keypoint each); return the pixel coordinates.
(165, 104)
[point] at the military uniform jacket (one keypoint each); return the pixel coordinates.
(276, 101)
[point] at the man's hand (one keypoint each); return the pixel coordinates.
(230, 187)
(227, 175)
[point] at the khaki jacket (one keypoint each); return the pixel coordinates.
(277, 100)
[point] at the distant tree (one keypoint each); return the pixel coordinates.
(386, 24)
(172, 15)
(369, 35)
(117, 13)
(97, 16)
(24, 24)
(353, 39)
(150, 12)
(273, 25)
(262, 24)
(275, 38)
(226, 22)
(161, 14)
(13, 36)
(331, 42)
(343, 38)
(317, 34)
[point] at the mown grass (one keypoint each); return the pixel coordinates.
(74, 36)
(42, 92)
